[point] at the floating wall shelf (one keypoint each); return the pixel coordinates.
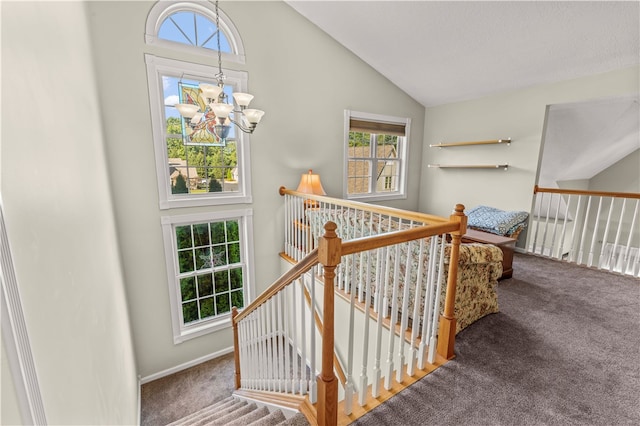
(469, 166)
(489, 142)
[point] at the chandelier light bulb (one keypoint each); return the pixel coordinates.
(187, 110)
(253, 116)
(242, 99)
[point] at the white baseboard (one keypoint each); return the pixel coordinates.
(184, 366)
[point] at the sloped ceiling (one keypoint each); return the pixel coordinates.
(582, 139)
(443, 52)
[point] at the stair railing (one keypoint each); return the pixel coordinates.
(592, 228)
(276, 334)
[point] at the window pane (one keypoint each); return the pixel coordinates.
(205, 285)
(222, 303)
(232, 231)
(190, 311)
(185, 260)
(234, 253)
(201, 234)
(237, 299)
(183, 236)
(206, 308)
(219, 256)
(222, 281)
(203, 258)
(192, 29)
(236, 278)
(188, 288)
(196, 169)
(217, 233)
(359, 172)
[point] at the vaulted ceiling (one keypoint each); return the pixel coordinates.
(441, 52)
(446, 51)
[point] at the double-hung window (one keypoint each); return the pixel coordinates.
(376, 156)
(207, 265)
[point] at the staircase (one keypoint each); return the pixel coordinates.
(232, 411)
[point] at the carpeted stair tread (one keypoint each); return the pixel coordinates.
(230, 417)
(271, 419)
(213, 415)
(204, 412)
(249, 417)
(298, 420)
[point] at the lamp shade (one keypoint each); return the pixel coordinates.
(187, 110)
(221, 111)
(210, 91)
(310, 184)
(253, 116)
(242, 99)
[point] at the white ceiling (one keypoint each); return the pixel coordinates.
(448, 51)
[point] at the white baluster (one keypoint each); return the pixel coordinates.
(303, 339)
(606, 234)
(536, 209)
(348, 386)
(394, 319)
(404, 320)
(415, 326)
(295, 345)
(287, 338)
(613, 260)
(274, 343)
(362, 396)
(375, 385)
(595, 234)
(428, 303)
(625, 264)
(555, 225)
(313, 386)
(433, 341)
(572, 249)
(564, 226)
(546, 225)
(584, 230)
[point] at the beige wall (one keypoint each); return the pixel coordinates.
(59, 215)
(518, 114)
(303, 80)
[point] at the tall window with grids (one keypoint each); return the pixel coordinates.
(376, 150)
(208, 255)
(210, 272)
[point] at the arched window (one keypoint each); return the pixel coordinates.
(191, 26)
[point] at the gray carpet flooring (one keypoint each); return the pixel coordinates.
(170, 398)
(564, 350)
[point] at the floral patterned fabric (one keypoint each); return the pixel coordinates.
(479, 267)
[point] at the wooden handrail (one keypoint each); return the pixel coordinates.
(397, 237)
(300, 268)
(391, 211)
(634, 195)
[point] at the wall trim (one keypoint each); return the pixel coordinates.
(185, 365)
(16, 338)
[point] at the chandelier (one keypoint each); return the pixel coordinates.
(219, 114)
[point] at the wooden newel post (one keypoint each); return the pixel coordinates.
(329, 254)
(447, 330)
(236, 347)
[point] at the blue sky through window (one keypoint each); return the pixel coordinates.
(193, 29)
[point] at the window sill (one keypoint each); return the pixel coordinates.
(197, 330)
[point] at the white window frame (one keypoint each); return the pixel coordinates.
(403, 155)
(164, 8)
(182, 332)
(156, 67)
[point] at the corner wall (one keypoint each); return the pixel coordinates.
(518, 114)
(59, 217)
